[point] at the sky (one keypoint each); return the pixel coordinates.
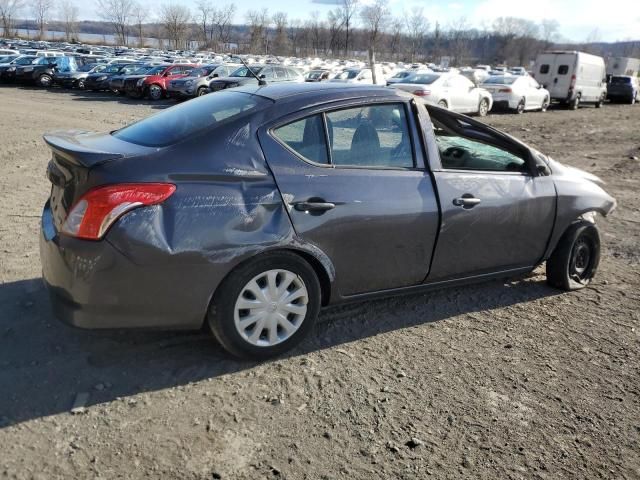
(580, 20)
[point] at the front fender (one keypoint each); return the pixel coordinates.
(579, 193)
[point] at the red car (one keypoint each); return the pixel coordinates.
(155, 86)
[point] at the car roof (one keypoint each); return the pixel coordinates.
(329, 91)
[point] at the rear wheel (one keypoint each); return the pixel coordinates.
(443, 104)
(483, 108)
(574, 262)
(545, 105)
(266, 306)
(45, 80)
(80, 84)
(575, 103)
(521, 106)
(601, 100)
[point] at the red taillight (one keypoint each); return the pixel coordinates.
(573, 81)
(505, 90)
(422, 93)
(95, 212)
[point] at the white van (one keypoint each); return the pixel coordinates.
(572, 78)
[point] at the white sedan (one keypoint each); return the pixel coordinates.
(517, 93)
(451, 91)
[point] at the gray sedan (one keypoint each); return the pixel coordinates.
(251, 209)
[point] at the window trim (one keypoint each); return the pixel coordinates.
(356, 104)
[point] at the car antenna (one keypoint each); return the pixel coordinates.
(261, 81)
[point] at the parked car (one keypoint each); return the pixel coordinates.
(197, 83)
(403, 74)
(298, 197)
(75, 79)
(317, 75)
(244, 76)
(448, 90)
(362, 76)
(42, 70)
(624, 88)
(8, 70)
(116, 82)
(155, 85)
(572, 78)
(517, 93)
(100, 80)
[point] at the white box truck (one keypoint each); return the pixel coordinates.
(623, 66)
(572, 78)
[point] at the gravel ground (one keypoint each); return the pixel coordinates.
(500, 380)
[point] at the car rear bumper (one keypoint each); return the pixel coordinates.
(93, 285)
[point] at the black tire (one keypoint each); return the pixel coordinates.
(221, 311)
(443, 104)
(575, 103)
(575, 260)
(521, 106)
(45, 80)
(545, 105)
(80, 84)
(202, 91)
(600, 102)
(483, 107)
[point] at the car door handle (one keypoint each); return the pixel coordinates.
(466, 201)
(314, 206)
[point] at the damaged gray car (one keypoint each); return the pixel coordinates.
(250, 209)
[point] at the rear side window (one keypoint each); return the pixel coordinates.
(544, 69)
(177, 123)
(306, 137)
(563, 69)
(376, 136)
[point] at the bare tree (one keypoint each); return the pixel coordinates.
(204, 16)
(417, 29)
(140, 14)
(118, 13)
(375, 17)
(348, 10)
(396, 36)
(281, 41)
(459, 40)
(68, 12)
(175, 20)
(41, 10)
(549, 30)
(9, 9)
(335, 24)
(258, 21)
(223, 22)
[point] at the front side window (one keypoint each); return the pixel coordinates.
(306, 137)
(375, 136)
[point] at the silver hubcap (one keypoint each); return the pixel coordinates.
(271, 308)
(155, 92)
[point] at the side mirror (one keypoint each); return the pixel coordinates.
(543, 170)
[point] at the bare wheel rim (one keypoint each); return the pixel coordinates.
(155, 92)
(271, 308)
(581, 263)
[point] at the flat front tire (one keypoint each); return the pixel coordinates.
(575, 260)
(266, 306)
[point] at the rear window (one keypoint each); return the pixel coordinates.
(177, 123)
(544, 69)
(563, 69)
(620, 80)
(422, 79)
(501, 80)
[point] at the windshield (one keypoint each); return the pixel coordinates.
(244, 72)
(348, 74)
(422, 78)
(177, 123)
(620, 80)
(500, 80)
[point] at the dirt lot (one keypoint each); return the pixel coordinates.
(501, 380)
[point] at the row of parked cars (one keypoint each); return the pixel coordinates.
(572, 78)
